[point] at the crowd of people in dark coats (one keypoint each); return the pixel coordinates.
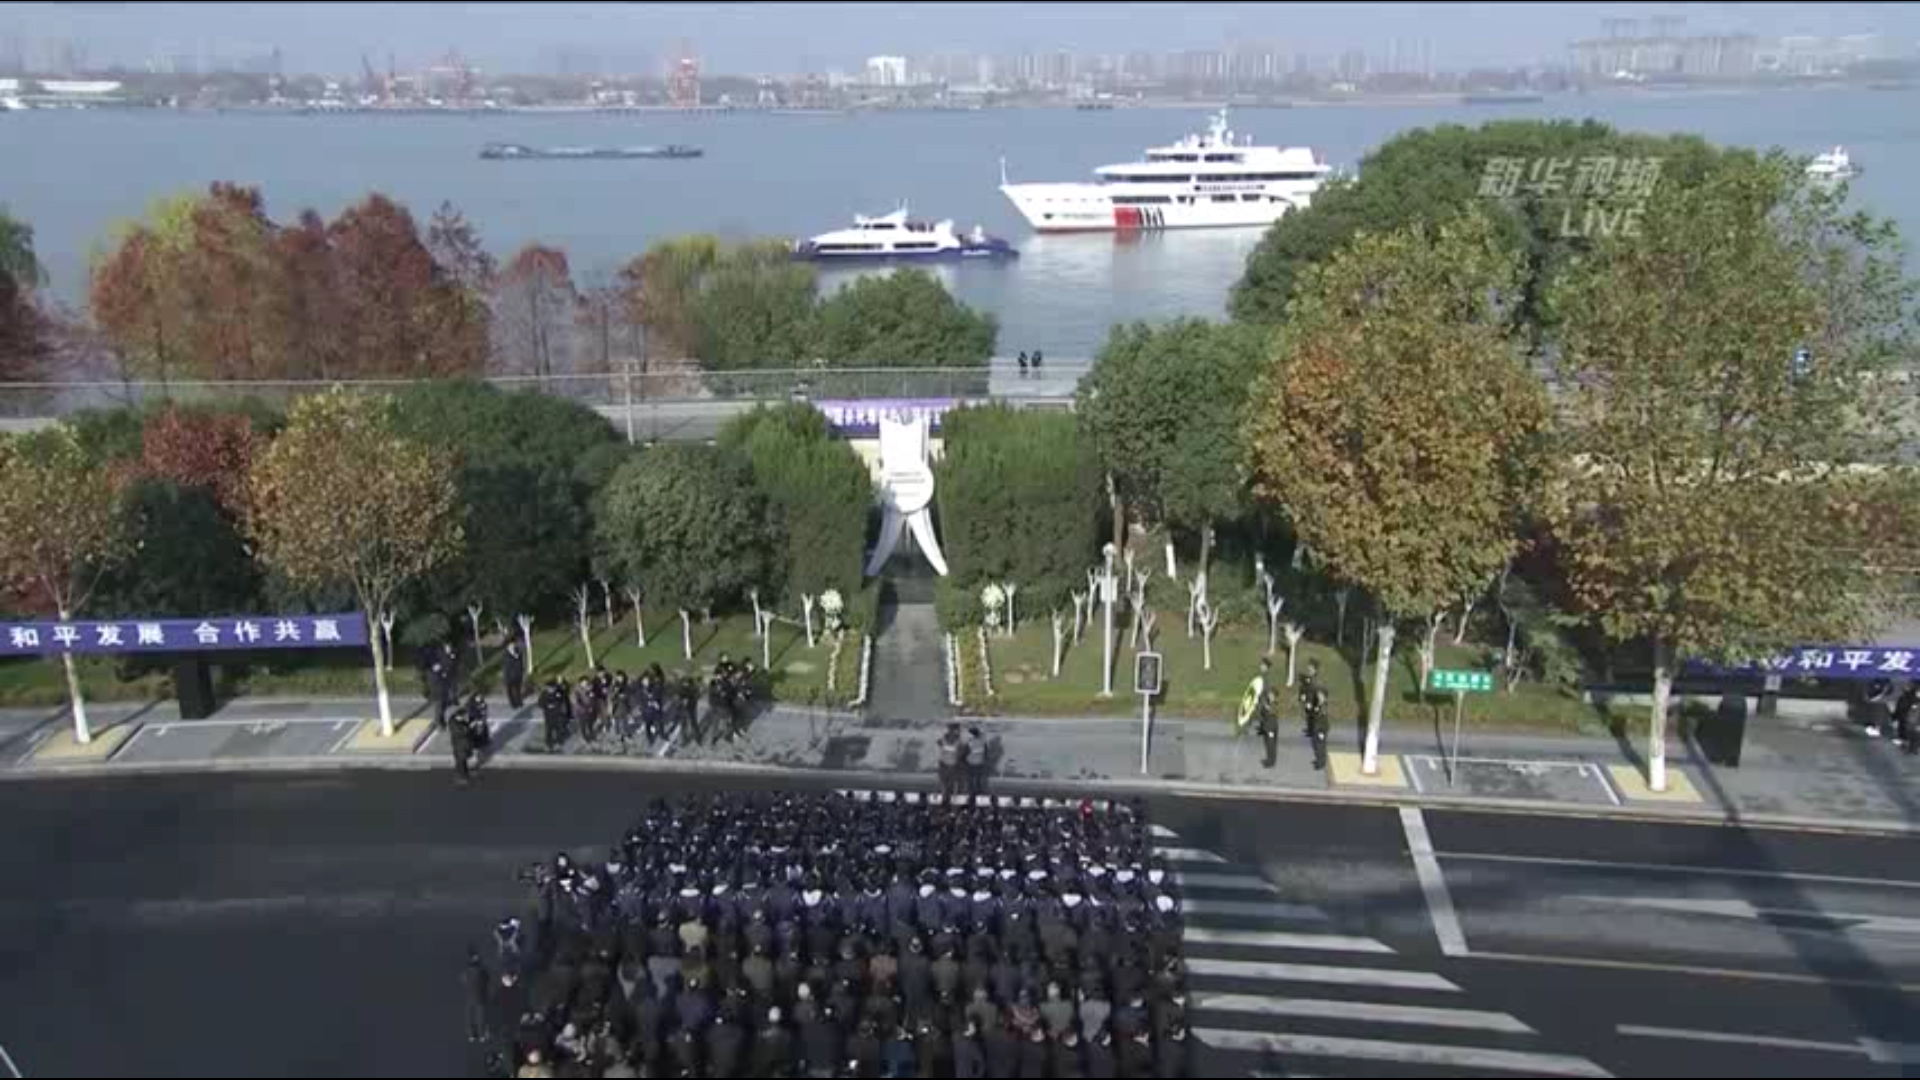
(830, 935)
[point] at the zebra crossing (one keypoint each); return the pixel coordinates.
(1276, 990)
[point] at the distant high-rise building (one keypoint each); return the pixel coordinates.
(887, 70)
(1353, 65)
(683, 82)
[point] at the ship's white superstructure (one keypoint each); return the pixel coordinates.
(1214, 179)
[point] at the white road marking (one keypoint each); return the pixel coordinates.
(136, 738)
(1433, 883)
(1740, 1038)
(1672, 868)
(1459, 1057)
(1891, 1053)
(1320, 973)
(1413, 775)
(1321, 1009)
(7, 1060)
(1606, 784)
(1240, 881)
(1273, 939)
(1189, 855)
(1742, 909)
(1161, 832)
(1253, 909)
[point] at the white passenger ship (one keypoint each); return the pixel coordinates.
(1215, 179)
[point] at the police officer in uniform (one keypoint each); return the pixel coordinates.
(1313, 702)
(1265, 715)
(553, 710)
(513, 672)
(461, 738)
(690, 708)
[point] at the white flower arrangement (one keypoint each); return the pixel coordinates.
(833, 606)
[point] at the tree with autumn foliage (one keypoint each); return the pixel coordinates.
(1398, 423)
(207, 286)
(1721, 491)
(60, 529)
(534, 310)
(404, 314)
(340, 498)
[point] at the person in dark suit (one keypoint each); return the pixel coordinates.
(513, 672)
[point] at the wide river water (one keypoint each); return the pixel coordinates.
(72, 175)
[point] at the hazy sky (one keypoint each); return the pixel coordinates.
(779, 38)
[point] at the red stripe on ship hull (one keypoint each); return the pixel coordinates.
(1126, 217)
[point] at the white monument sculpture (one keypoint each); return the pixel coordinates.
(906, 490)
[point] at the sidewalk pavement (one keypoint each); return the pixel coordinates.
(1802, 771)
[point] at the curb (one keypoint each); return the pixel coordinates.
(1701, 816)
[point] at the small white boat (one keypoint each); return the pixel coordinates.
(897, 236)
(1835, 165)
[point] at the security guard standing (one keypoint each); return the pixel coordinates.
(513, 672)
(1265, 714)
(1250, 703)
(1313, 702)
(460, 735)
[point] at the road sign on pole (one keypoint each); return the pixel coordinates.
(1459, 684)
(1453, 681)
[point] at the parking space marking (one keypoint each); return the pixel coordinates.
(12, 1069)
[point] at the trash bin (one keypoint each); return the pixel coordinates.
(1722, 734)
(193, 687)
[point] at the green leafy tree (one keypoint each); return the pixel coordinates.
(659, 289)
(1018, 496)
(23, 346)
(1432, 175)
(687, 523)
(1397, 423)
(1718, 499)
(190, 558)
(60, 529)
(342, 499)
(1163, 406)
(754, 310)
(902, 319)
(525, 510)
(820, 494)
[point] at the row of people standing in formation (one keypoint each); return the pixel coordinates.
(825, 936)
(604, 707)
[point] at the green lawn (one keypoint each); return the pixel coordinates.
(799, 672)
(1022, 684)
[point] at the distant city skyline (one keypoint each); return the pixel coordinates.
(746, 39)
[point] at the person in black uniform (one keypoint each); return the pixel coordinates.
(586, 717)
(1313, 701)
(690, 708)
(653, 702)
(1309, 683)
(1266, 717)
(479, 986)
(513, 672)
(1903, 725)
(553, 711)
(461, 738)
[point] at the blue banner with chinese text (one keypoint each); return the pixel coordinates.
(1825, 662)
(226, 632)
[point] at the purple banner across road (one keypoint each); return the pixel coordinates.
(226, 632)
(1825, 662)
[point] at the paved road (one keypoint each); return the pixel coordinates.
(312, 925)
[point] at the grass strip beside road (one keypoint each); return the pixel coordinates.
(1024, 686)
